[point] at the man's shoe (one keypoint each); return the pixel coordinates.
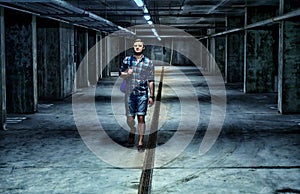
(141, 148)
(131, 138)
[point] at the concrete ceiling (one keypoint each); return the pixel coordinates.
(192, 16)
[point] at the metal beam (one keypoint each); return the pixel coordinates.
(65, 5)
(168, 15)
(25, 1)
(67, 15)
(270, 21)
(132, 10)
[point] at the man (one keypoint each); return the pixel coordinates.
(138, 70)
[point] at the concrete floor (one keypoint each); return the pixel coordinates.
(60, 149)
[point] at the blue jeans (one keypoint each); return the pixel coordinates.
(137, 104)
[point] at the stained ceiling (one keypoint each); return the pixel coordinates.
(193, 16)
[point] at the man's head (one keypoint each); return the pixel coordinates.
(138, 47)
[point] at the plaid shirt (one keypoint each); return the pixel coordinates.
(143, 72)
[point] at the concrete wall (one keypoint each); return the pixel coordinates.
(220, 54)
(260, 53)
(48, 59)
(235, 52)
(115, 46)
(2, 72)
(92, 67)
(81, 49)
(291, 68)
(56, 68)
(20, 68)
(68, 67)
(103, 56)
(291, 5)
(289, 57)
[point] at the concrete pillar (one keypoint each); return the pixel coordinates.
(48, 59)
(179, 46)
(68, 66)
(234, 52)
(2, 72)
(34, 63)
(203, 58)
(260, 52)
(97, 56)
(122, 49)
(108, 56)
(289, 68)
(92, 67)
(220, 43)
(103, 55)
(220, 53)
(114, 46)
(211, 46)
(100, 56)
(20, 62)
(82, 60)
(212, 50)
(56, 67)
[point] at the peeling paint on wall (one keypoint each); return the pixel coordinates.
(19, 63)
(291, 67)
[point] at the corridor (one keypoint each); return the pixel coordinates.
(257, 150)
(226, 114)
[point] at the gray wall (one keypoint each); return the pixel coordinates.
(2, 72)
(19, 62)
(56, 68)
(235, 52)
(261, 52)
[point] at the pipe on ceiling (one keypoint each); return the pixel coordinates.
(70, 7)
(273, 20)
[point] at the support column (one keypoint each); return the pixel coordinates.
(220, 43)
(68, 66)
(108, 54)
(113, 55)
(34, 63)
(289, 68)
(100, 55)
(220, 53)
(56, 68)
(92, 67)
(234, 52)
(21, 65)
(211, 46)
(260, 52)
(203, 54)
(104, 55)
(82, 59)
(2, 72)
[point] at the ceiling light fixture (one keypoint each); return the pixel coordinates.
(145, 10)
(139, 3)
(147, 17)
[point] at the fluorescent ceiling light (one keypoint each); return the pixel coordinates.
(139, 3)
(150, 22)
(147, 17)
(145, 9)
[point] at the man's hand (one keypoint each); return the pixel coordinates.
(130, 71)
(126, 74)
(150, 101)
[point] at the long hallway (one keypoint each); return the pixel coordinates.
(78, 145)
